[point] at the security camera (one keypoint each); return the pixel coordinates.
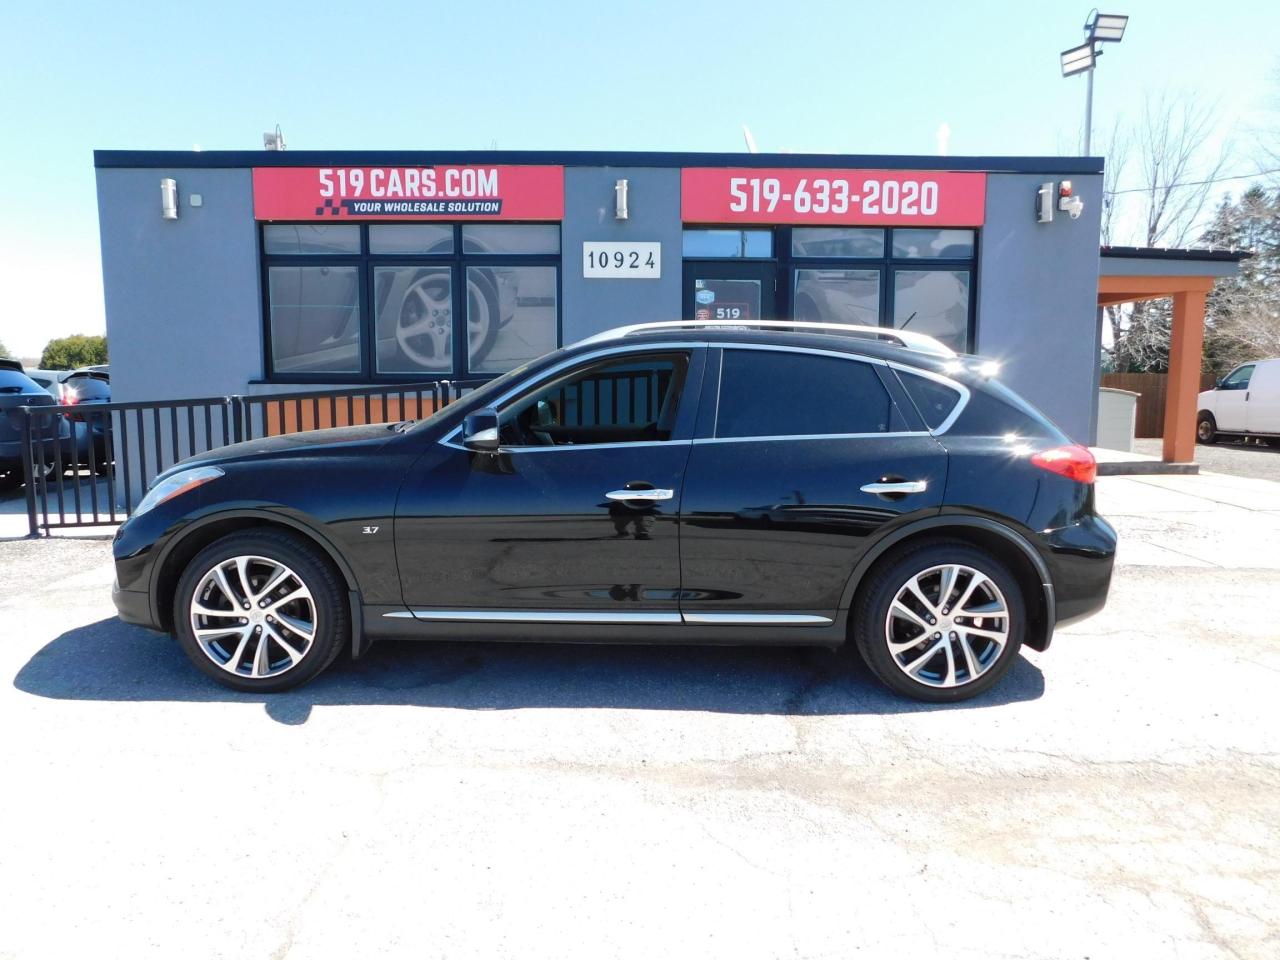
(1074, 206)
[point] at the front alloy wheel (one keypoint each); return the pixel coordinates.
(942, 621)
(261, 610)
(253, 617)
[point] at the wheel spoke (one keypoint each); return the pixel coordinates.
(225, 586)
(294, 655)
(305, 630)
(990, 634)
(262, 656)
(914, 586)
(281, 574)
(203, 611)
(993, 608)
(950, 679)
(970, 661)
(974, 582)
(914, 666)
(947, 582)
(297, 593)
(901, 609)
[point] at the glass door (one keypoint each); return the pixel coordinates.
(730, 292)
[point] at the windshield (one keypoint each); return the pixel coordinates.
(485, 395)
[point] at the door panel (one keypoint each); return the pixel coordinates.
(778, 525)
(1231, 400)
(1263, 405)
(533, 529)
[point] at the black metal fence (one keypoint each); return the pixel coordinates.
(86, 465)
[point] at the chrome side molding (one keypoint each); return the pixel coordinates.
(655, 617)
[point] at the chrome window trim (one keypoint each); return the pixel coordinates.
(815, 436)
(946, 382)
(611, 351)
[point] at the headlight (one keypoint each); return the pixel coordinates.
(176, 484)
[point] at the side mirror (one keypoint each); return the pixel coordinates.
(480, 430)
(1217, 384)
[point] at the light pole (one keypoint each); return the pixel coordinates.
(1098, 28)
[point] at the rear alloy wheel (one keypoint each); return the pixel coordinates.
(260, 612)
(1206, 429)
(941, 623)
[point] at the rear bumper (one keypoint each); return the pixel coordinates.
(1080, 558)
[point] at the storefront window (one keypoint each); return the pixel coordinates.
(725, 244)
(940, 244)
(511, 316)
(411, 238)
(415, 319)
(315, 319)
(311, 238)
(359, 302)
(838, 296)
(935, 302)
(843, 242)
(510, 238)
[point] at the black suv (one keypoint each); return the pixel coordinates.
(784, 484)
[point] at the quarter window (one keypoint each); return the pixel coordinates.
(770, 393)
(360, 302)
(934, 400)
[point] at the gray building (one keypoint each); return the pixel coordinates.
(249, 273)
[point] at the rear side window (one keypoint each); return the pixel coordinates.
(11, 381)
(767, 393)
(934, 400)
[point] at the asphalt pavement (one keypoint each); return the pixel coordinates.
(1114, 797)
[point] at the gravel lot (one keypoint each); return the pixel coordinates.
(1116, 797)
(1232, 457)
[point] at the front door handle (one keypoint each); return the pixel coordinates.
(901, 486)
(649, 494)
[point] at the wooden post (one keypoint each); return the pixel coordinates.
(1185, 349)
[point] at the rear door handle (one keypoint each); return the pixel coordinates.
(650, 494)
(901, 486)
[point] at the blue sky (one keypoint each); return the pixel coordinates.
(805, 76)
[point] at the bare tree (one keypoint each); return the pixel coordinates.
(1158, 198)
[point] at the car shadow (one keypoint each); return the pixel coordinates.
(113, 661)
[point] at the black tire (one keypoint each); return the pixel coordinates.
(330, 614)
(871, 624)
(1206, 429)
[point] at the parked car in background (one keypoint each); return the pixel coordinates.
(792, 483)
(19, 390)
(1244, 403)
(88, 441)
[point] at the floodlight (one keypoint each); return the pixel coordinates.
(1107, 26)
(1078, 59)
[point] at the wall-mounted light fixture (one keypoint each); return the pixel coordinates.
(274, 139)
(169, 198)
(620, 200)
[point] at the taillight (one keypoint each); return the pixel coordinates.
(1072, 461)
(69, 396)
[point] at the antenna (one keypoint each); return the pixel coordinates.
(751, 141)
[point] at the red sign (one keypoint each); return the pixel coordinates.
(870, 197)
(408, 193)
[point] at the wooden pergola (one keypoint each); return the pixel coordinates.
(1136, 274)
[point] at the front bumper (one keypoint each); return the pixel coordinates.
(133, 606)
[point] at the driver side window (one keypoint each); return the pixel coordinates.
(1238, 379)
(627, 399)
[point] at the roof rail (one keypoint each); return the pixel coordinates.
(909, 339)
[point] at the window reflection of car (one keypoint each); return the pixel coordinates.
(837, 296)
(413, 308)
